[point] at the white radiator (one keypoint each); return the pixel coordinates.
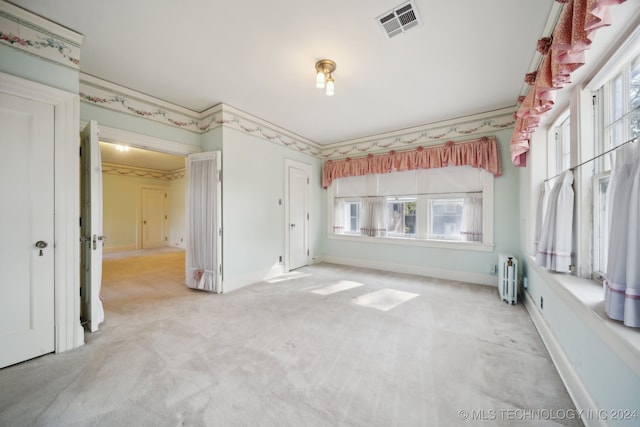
(508, 278)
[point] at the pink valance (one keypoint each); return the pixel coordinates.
(562, 54)
(479, 153)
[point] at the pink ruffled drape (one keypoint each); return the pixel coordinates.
(563, 53)
(479, 153)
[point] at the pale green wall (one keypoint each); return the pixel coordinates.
(610, 382)
(506, 232)
(121, 208)
(252, 186)
(33, 68)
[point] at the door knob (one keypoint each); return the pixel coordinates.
(293, 225)
(41, 244)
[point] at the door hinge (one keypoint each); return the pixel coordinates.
(165, 239)
(219, 175)
(220, 231)
(80, 151)
(307, 216)
(307, 180)
(307, 252)
(220, 269)
(165, 217)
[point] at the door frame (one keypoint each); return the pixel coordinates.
(307, 169)
(68, 332)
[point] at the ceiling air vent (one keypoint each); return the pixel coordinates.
(399, 19)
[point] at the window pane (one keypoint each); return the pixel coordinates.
(617, 101)
(634, 84)
(352, 220)
(402, 218)
(446, 218)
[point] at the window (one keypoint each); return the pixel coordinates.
(434, 207)
(446, 218)
(617, 109)
(352, 220)
(402, 217)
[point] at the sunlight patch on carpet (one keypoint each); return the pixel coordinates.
(340, 286)
(384, 299)
(287, 276)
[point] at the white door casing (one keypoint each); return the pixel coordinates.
(27, 229)
(297, 207)
(68, 333)
(153, 213)
(92, 312)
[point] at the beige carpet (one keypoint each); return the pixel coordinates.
(323, 346)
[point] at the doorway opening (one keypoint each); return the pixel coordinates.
(144, 223)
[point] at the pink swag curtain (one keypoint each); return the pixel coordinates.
(479, 153)
(563, 53)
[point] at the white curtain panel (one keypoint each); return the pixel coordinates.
(338, 216)
(373, 216)
(540, 209)
(202, 199)
(622, 278)
(554, 247)
(471, 227)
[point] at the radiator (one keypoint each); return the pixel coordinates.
(508, 278)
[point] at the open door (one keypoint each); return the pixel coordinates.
(297, 200)
(203, 262)
(91, 311)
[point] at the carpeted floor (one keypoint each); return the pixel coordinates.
(322, 346)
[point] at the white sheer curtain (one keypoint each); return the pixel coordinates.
(471, 226)
(540, 209)
(373, 216)
(554, 247)
(622, 278)
(338, 216)
(202, 222)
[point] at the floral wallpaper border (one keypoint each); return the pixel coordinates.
(23, 35)
(137, 107)
(422, 135)
(122, 170)
(223, 115)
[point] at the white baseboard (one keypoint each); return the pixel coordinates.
(112, 249)
(440, 273)
(229, 285)
(578, 392)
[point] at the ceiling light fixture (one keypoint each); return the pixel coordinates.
(122, 147)
(324, 68)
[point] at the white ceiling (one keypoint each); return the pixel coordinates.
(467, 57)
(140, 158)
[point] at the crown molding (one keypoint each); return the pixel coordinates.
(431, 134)
(117, 98)
(32, 34)
(111, 96)
(132, 171)
(244, 122)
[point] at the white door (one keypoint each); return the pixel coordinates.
(298, 180)
(27, 229)
(153, 217)
(91, 311)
